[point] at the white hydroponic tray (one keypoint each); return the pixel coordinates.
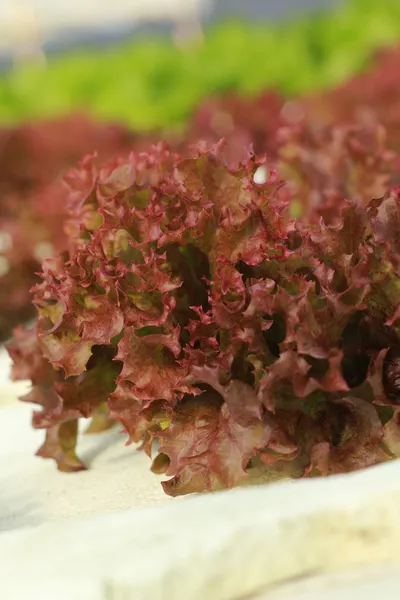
(33, 491)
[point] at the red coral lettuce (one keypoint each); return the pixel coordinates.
(215, 323)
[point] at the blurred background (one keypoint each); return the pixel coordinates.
(149, 64)
(49, 25)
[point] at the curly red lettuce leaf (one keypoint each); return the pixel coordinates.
(206, 446)
(32, 209)
(215, 324)
(63, 401)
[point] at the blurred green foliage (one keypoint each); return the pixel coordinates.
(150, 83)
